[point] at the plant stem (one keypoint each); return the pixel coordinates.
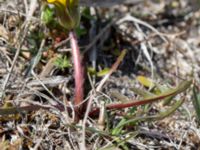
(78, 74)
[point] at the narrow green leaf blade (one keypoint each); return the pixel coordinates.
(196, 102)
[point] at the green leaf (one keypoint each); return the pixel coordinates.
(120, 143)
(91, 70)
(145, 81)
(159, 116)
(172, 92)
(86, 13)
(103, 72)
(62, 62)
(118, 129)
(196, 102)
(47, 15)
(80, 31)
(142, 93)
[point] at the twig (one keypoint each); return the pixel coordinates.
(136, 20)
(18, 13)
(44, 86)
(93, 50)
(99, 36)
(26, 24)
(26, 7)
(57, 45)
(13, 63)
(142, 36)
(114, 67)
(88, 108)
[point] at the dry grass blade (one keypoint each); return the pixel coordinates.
(113, 68)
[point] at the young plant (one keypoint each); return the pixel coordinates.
(62, 62)
(68, 16)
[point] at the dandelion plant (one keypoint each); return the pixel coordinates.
(68, 16)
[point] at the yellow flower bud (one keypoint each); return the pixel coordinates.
(67, 12)
(62, 2)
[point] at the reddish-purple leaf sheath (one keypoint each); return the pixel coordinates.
(78, 69)
(119, 106)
